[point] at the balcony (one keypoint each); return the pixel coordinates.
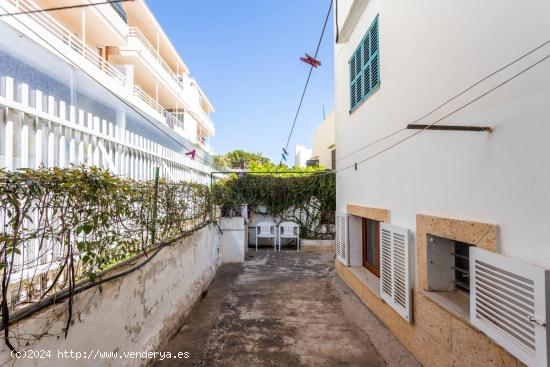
(136, 34)
(205, 145)
(75, 45)
(170, 119)
(179, 83)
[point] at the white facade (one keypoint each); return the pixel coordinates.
(99, 92)
(324, 142)
(461, 64)
(429, 52)
(302, 155)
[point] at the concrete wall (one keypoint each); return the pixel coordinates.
(323, 138)
(137, 312)
(233, 243)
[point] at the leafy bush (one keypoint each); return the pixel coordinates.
(307, 199)
(90, 217)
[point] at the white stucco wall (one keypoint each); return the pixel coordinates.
(233, 243)
(430, 51)
(323, 138)
(134, 313)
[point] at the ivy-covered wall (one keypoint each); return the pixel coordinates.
(307, 199)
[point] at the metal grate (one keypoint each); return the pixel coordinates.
(461, 266)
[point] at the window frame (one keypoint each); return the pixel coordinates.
(357, 74)
(365, 247)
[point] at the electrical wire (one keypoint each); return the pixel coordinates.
(308, 78)
(67, 7)
(450, 99)
(447, 115)
(208, 164)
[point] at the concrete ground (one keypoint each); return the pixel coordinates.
(283, 309)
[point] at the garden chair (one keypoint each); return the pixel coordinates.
(289, 230)
(266, 230)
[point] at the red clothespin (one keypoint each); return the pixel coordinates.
(311, 61)
(192, 154)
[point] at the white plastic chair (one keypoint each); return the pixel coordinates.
(289, 230)
(266, 230)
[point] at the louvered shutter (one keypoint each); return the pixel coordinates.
(374, 55)
(395, 283)
(509, 301)
(364, 67)
(342, 244)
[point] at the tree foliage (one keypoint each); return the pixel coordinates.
(239, 159)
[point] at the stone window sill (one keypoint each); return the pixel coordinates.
(371, 281)
(455, 302)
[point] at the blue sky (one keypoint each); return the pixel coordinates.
(245, 55)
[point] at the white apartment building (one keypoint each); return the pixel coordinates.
(442, 118)
(302, 155)
(101, 85)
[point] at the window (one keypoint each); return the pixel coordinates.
(371, 246)
(333, 159)
(449, 274)
(364, 67)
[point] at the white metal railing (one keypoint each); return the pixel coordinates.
(69, 39)
(171, 120)
(148, 99)
(201, 116)
(136, 33)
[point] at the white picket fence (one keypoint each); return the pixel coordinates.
(38, 130)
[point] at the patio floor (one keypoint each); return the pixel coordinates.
(284, 309)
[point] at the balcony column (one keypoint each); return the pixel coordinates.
(157, 91)
(158, 43)
(83, 13)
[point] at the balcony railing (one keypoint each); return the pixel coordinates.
(171, 120)
(68, 38)
(204, 144)
(136, 33)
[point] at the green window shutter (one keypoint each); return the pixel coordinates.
(364, 67)
(374, 55)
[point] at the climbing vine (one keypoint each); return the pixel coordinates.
(307, 199)
(62, 226)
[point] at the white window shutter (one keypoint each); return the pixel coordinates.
(342, 243)
(510, 302)
(395, 278)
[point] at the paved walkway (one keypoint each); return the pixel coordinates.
(284, 309)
